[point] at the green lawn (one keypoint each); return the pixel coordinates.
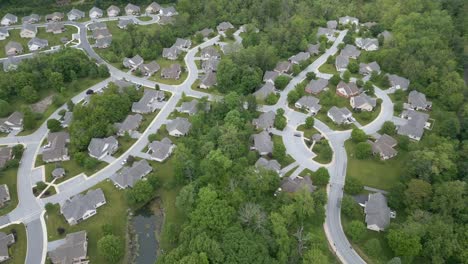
(328, 68)
(113, 213)
(308, 132)
(144, 18)
(374, 172)
(365, 118)
(124, 145)
(72, 169)
(54, 39)
(288, 159)
(8, 177)
(323, 151)
(14, 36)
(17, 251)
(147, 119)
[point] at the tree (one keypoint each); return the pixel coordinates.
(311, 76)
(403, 244)
(373, 247)
(5, 108)
(356, 230)
(418, 194)
(309, 122)
(353, 186)
(111, 248)
(335, 79)
(369, 88)
(281, 82)
(280, 121)
(450, 199)
(315, 256)
(185, 201)
(388, 128)
(358, 135)
(350, 208)
(54, 125)
(293, 96)
(321, 177)
(346, 76)
(140, 193)
(279, 151)
(353, 66)
(271, 99)
(29, 94)
(363, 150)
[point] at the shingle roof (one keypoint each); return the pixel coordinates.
(316, 86)
(339, 114)
(180, 124)
(350, 51)
(332, 24)
(128, 176)
(131, 122)
(341, 62)
(270, 76)
(264, 91)
(223, 26)
(160, 149)
(366, 43)
(368, 68)
(350, 88)
(363, 99)
(75, 207)
(295, 184)
(5, 241)
(209, 79)
(396, 80)
(263, 142)
(310, 103)
(313, 49)
(415, 125)
(300, 57)
(377, 211)
(75, 247)
(173, 72)
(418, 100)
(98, 146)
(265, 120)
(57, 149)
(268, 164)
(5, 155)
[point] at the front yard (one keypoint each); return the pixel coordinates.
(8, 177)
(72, 169)
(17, 251)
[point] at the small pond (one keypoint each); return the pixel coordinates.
(146, 223)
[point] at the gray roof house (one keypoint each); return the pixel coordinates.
(309, 103)
(82, 206)
(265, 120)
(101, 147)
(369, 68)
(262, 143)
(97, 25)
(13, 122)
(327, 32)
(363, 102)
(398, 82)
(148, 103)
(190, 108)
(341, 63)
(340, 115)
(28, 31)
(124, 23)
(37, 44)
(300, 57)
(128, 176)
(223, 26)
(56, 148)
(54, 27)
(171, 53)
(270, 76)
(209, 52)
(31, 19)
(72, 251)
(350, 51)
(168, 11)
(387, 35)
(369, 44)
(95, 13)
(4, 195)
(206, 32)
(182, 43)
(272, 165)
(417, 101)
(103, 43)
(122, 84)
(160, 150)
(178, 127)
(210, 64)
(377, 212)
(10, 64)
(332, 24)
(101, 33)
(75, 14)
(4, 33)
(262, 93)
(283, 67)
(6, 154)
(113, 11)
(9, 19)
(316, 86)
(347, 90)
(369, 24)
(384, 147)
(348, 20)
(292, 185)
(131, 9)
(13, 48)
(173, 72)
(133, 63)
(414, 128)
(208, 80)
(313, 49)
(150, 68)
(55, 16)
(129, 125)
(5, 242)
(153, 8)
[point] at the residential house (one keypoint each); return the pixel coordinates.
(72, 251)
(97, 25)
(341, 63)
(418, 101)
(223, 27)
(270, 76)
(28, 31)
(208, 80)
(75, 14)
(129, 125)
(350, 51)
(283, 67)
(5, 242)
(54, 17)
(37, 44)
(82, 206)
(56, 148)
(316, 86)
(31, 19)
(149, 69)
(262, 143)
(384, 147)
(133, 63)
(369, 44)
(327, 32)
(190, 108)
(173, 72)
(168, 11)
(4, 195)
(347, 90)
(262, 93)
(265, 164)
(363, 102)
(128, 176)
(9, 19)
(295, 184)
(340, 115)
(54, 27)
(153, 8)
(369, 68)
(386, 35)
(209, 52)
(348, 20)
(210, 65)
(182, 44)
(132, 10)
(4, 33)
(10, 64)
(13, 48)
(206, 32)
(6, 154)
(416, 123)
(148, 102)
(95, 13)
(178, 127)
(99, 148)
(113, 11)
(300, 57)
(103, 43)
(377, 212)
(332, 24)
(265, 120)
(398, 82)
(308, 103)
(171, 53)
(13, 122)
(122, 84)
(124, 23)
(160, 150)
(101, 33)
(313, 49)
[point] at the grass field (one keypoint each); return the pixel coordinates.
(8, 177)
(17, 251)
(328, 68)
(54, 39)
(323, 151)
(288, 159)
(124, 145)
(72, 169)
(308, 132)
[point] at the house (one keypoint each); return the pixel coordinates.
(295, 184)
(265, 120)
(313, 49)
(348, 20)
(133, 63)
(148, 102)
(171, 53)
(316, 86)
(149, 68)
(223, 27)
(132, 10)
(350, 51)
(6, 154)
(66, 119)
(56, 148)
(13, 122)
(95, 13)
(58, 173)
(209, 52)
(124, 23)
(386, 35)
(332, 24)
(56, 28)
(82, 206)
(208, 80)
(384, 147)
(113, 11)
(341, 63)
(417, 101)
(4, 33)
(75, 14)
(153, 8)
(377, 212)
(160, 150)
(262, 93)
(262, 143)
(283, 67)
(10, 64)
(347, 90)
(55, 17)
(398, 82)
(206, 32)
(340, 115)
(173, 72)
(309, 103)
(5, 242)
(182, 44)
(178, 127)
(101, 33)
(122, 84)
(31, 19)
(190, 108)
(327, 32)
(369, 68)
(9, 19)
(270, 76)
(129, 125)
(4, 195)
(101, 147)
(103, 43)
(265, 164)
(28, 31)
(210, 65)
(128, 176)
(363, 102)
(168, 11)
(73, 250)
(414, 128)
(97, 25)
(13, 48)
(369, 44)
(300, 57)
(37, 44)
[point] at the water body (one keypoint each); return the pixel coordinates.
(145, 225)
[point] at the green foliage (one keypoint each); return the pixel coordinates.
(5, 108)
(358, 135)
(281, 82)
(280, 120)
(356, 230)
(335, 79)
(311, 75)
(363, 150)
(309, 122)
(346, 76)
(353, 186)
(373, 247)
(321, 177)
(111, 248)
(140, 193)
(271, 99)
(403, 243)
(350, 207)
(54, 125)
(279, 151)
(353, 66)
(388, 128)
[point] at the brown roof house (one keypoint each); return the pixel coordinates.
(384, 147)
(56, 16)
(54, 27)
(347, 90)
(208, 80)
(13, 48)
(283, 67)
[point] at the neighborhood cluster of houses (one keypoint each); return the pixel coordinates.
(101, 34)
(146, 69)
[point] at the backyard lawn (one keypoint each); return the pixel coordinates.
(8, 177)
(54, 39)
(17, 251)
(72, 169)
(124, 144)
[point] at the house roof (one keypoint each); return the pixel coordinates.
(96, 10)
(206, 32)
(295, 184)
(54, 26)
(265, 120)
(38, 42)
(309, 102)
(387, 35)
(348, 19)
(58, 172)
(143, 105)
(78, 205)
(283, 66)
(173, 72)
(264, 91)
(168, 10)
(104, 42)
(10, 63)
(270, 75)
(4, 31)
(384, 146)
(180, 124)
(5, 155)
(160, 149)
(13, 45)
(153, 7)
(415, 125)
(31, 18)
(300, 57)
(209, 79)
(332, 24)
(398, 80)
(209, 51)
(223, 26)
(316, 86)
(58, 146)
(313, 48)
(363, 99)
(350, 88)
(210, 64)
(128, 176)
(365, 43)
(377, 211)
(263, 142)
(417, 99)
(267, 164)
(29, 27)
(10, 17)
(325, 31)
(189, 107)
(339, 114)
(132, 7)
(123, 23)
(4, 193)
(171, 52)
(130, 62)
(15, 119)
(149, 68)
(341, 62)
(182, 43)
(98, 146)
(131, 122)
(55, 15)
(75, 247)
(368, 68)
(350, 51)
(5, 241)
(113, 8)
(77, 13)
(101, 33)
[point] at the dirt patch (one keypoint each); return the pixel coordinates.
(42, 105)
